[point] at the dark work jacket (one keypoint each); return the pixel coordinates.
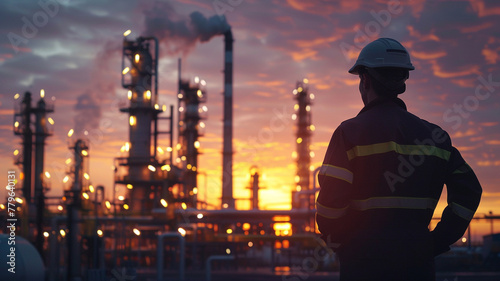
(381, 179)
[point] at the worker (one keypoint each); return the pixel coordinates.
(382, 176)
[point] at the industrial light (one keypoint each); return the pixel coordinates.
(203, 82)
(66, 179)
(199, 93)
(2, 206)
(62, 232)
(181, 109)
(86, 176)
(127, 33)
(184, 206)
(47, 174)
(298, 188)
(121, 197)
(129, 186)
(197, 80)
(294, 116)
(91, 188)
(195, 190)
(132, 120)
(228, 251)
(148, 94)
(311, 168)
(299, 140)
(42, 93)
(199, 216)
(166, 168)
(16, 124)
(85, 195)
(137, 231)
(70, 133)
(157, 107)
(180, 96)
(250, 244)
(46, 234)
(169, 149)
(312, 127)
(51, 121)
(137, 57)
(16, 152)
(183, 158)
(311, 154)
(100, 233)
(125, 206)
(164, 108)
(125, 70)
(299, 89)
(19, 200)
(16, 96)
(229, 231)
(152, 168)
(164, 203)
(129, 94)
(85, 153)
(160, 150)
(305, 80)
(311, 96)
(60, 208)
(225, 206)
(189, 166)
(205, 108)
(182, 231)
(108, 204)
(308, 108)
(67, 161)
(297, 178)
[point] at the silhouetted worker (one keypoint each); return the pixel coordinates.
(382, 176)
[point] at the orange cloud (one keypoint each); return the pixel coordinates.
(439, 72)
(475, 28)
(428, 55)
(488, 163)
(491, 56)
(489, 124)
(493, 142)
(466, 83)
(324, 7)
(420, 36)
(480, 8)
(275, 83)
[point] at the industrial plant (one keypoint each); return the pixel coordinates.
(161, 229)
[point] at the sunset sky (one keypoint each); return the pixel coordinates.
(72, 49)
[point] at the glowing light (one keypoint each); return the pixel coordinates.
(66, 179)
(188, 166)
(195, 190)
(250, 244)
(169, 149)
(228, 251)
(42, 93)
(85, 195)
(225, 206)
(136, 231)
(164, 203)
(121, 197)
(129, 94)
(311, 96)
(298, 188)
(129, 186)
(180, 96)
(137, 57)
(246, 226)
(311, 154)
(125, 206)
(183, 158)
(152, 168)
(46, 234)
(203, 82)
(229, 231)
(299, 140)
(294, 116)
(16, 152)
(68, 161)
(194, 168)
(85, 153)
(132, 120)
(164, 108)
(182, 231)
(60, 208)
(127, 33)
(197, 80)
(199, 216)
(125, 70)
(296, 107)
(19, 200)
(197, 144)
(308, 108)
(464, 239)
(312, 127)
(86, 176)
(297, 178)
(181, 109)
(166, 168)
(199, 93)
(108, 204)
(62, 232)
(91, 188)
(157, 107)
(16, 96)
(311, 168)
(70, 133)
(299, 89)
(202, 124)
(16, 124)
(205, 108)
(282, 228)
(47, 174)
(100, 233)
(148, 94)
(294, 91)
(184, 206)
(305, 80)
(2, 206)
(51, 121)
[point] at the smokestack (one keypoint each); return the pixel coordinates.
(227, 153)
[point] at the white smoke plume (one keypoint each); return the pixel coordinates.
(179, 34)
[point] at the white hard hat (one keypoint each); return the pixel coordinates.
(383, 52)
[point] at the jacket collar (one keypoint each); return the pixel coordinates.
(383, 100)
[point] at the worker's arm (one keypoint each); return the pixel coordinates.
(464, 194)
(335, 179)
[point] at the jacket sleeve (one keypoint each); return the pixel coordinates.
(335, 179)
(464, 194)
